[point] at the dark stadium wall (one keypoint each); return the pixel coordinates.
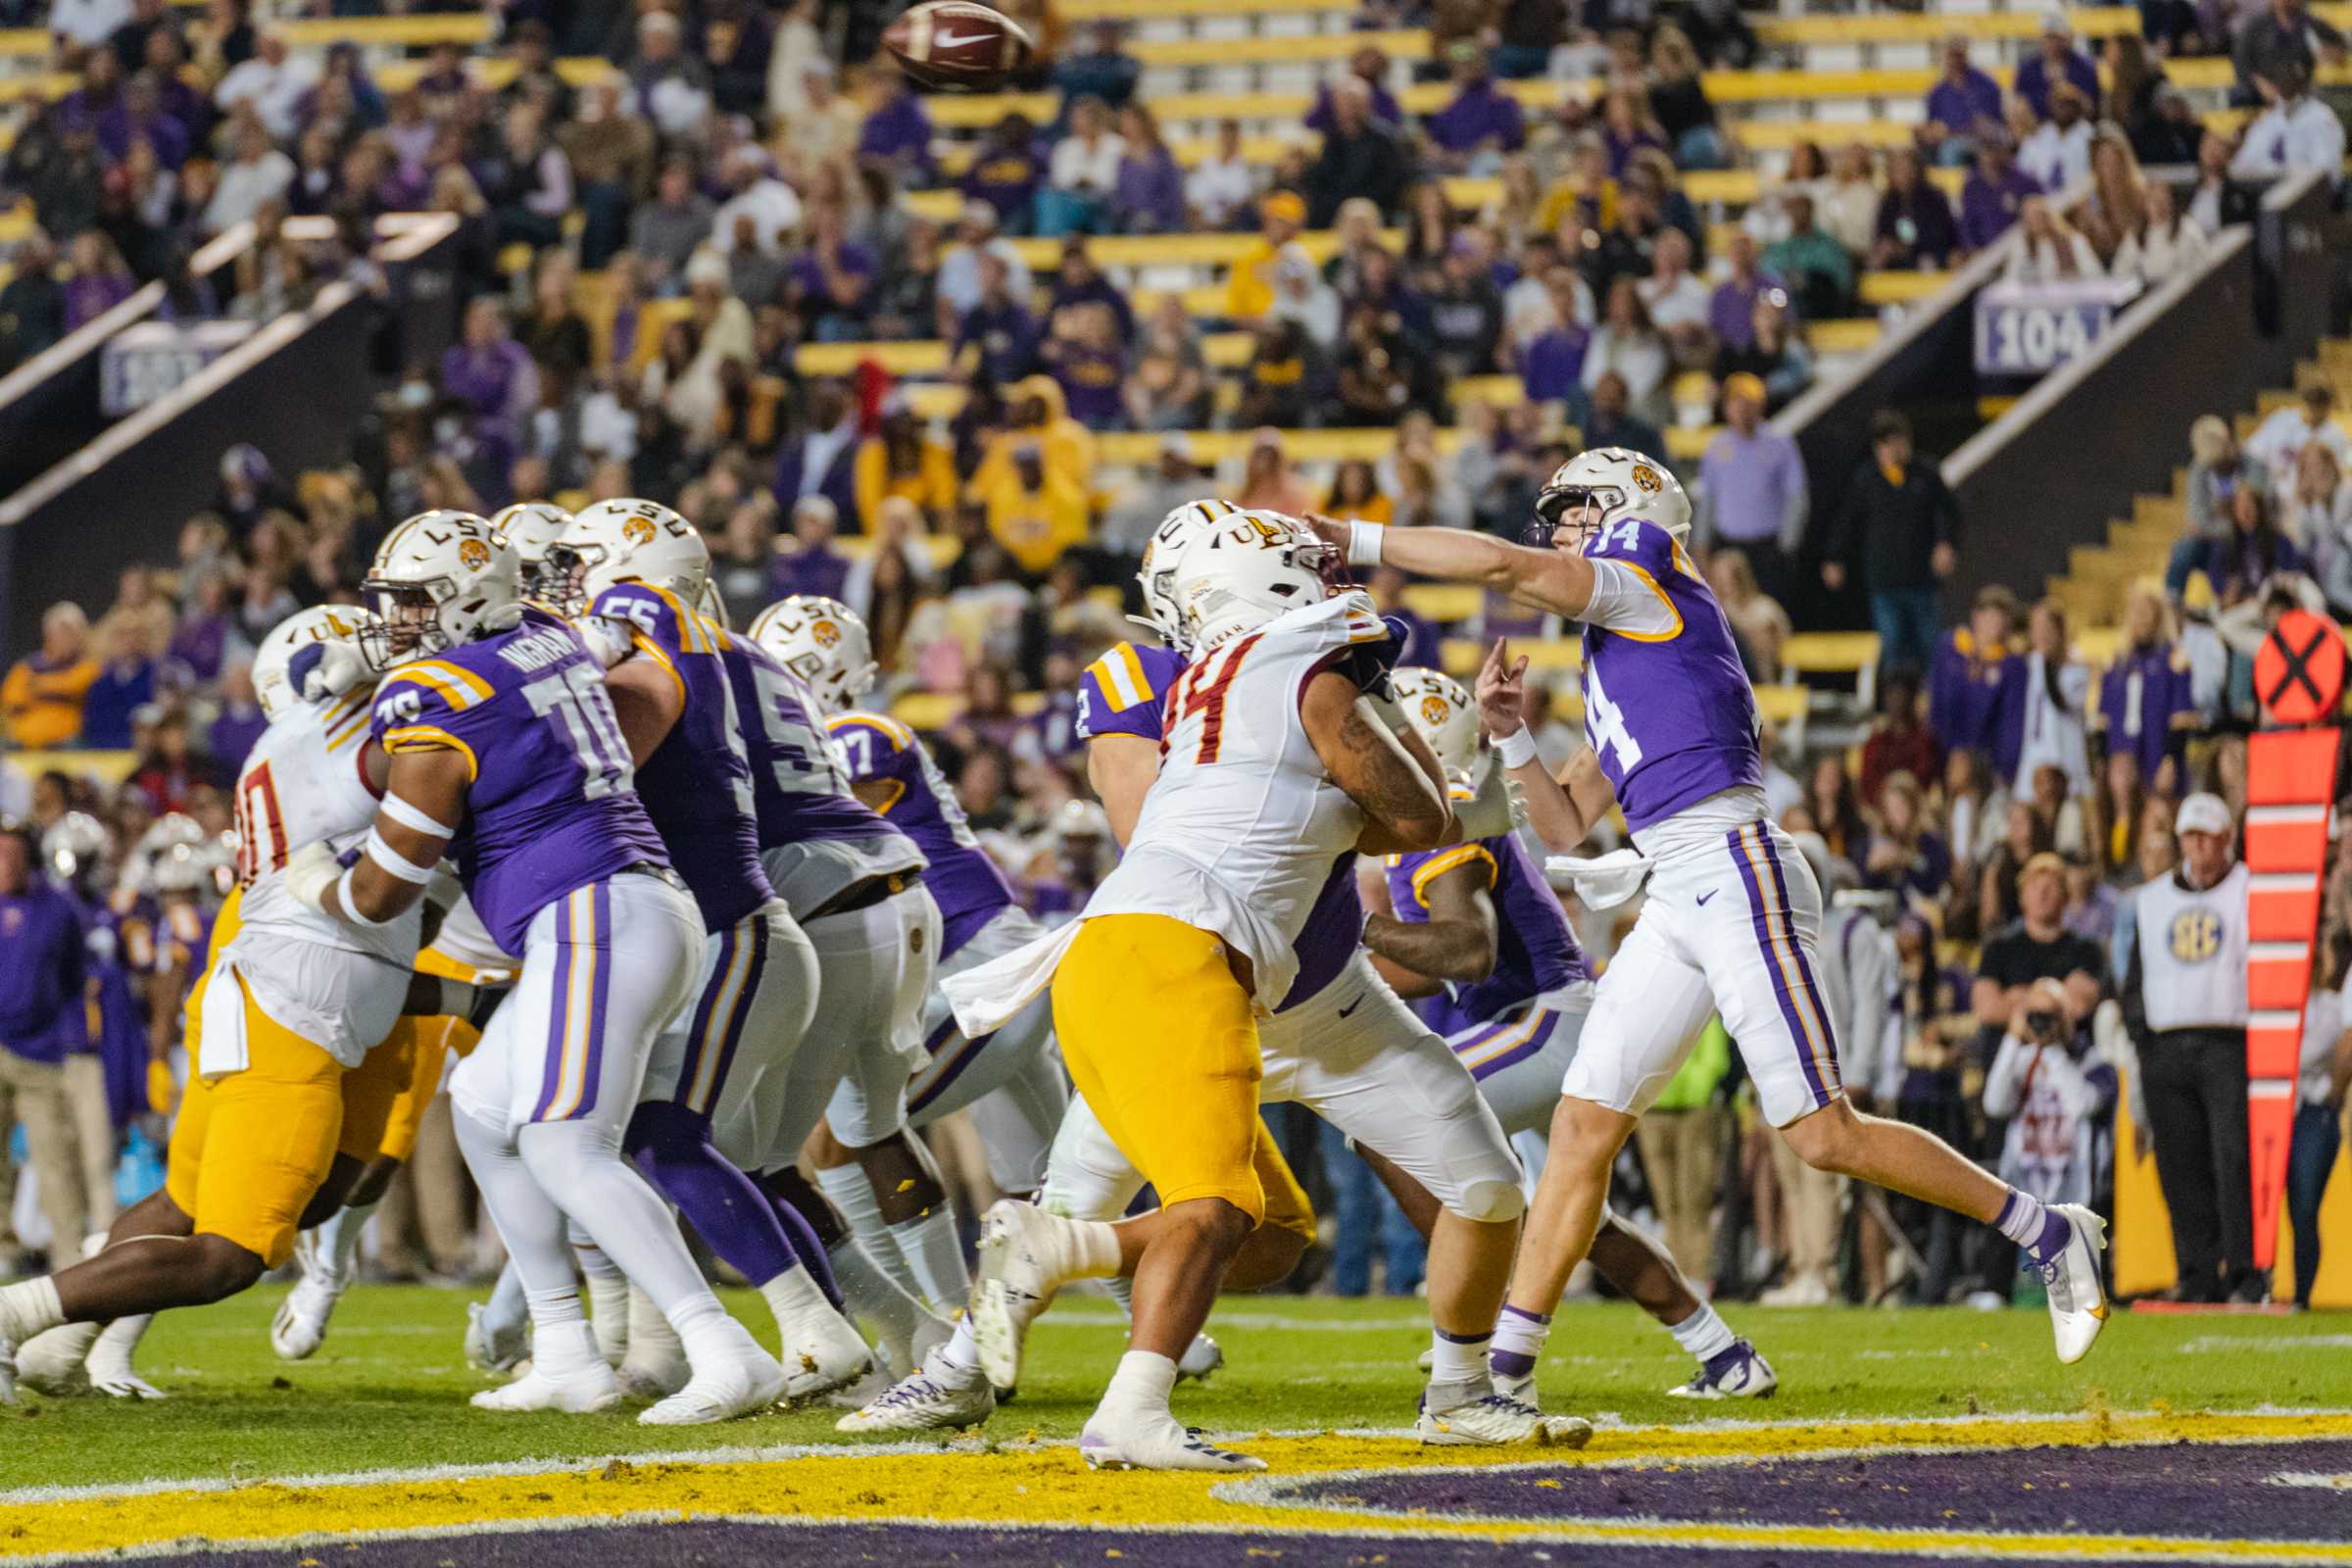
(298, 405)
(2072, 456)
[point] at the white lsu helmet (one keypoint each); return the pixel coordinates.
(273, 681)
(1245, 572)
(1617, 483)
(174, 856)
(1162, 552)
(824, 642)
(626, 541)
(441, 580)
(531, 527)
(75, 845)
(1441, 710)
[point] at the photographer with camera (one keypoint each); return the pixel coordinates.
(2057, 1094)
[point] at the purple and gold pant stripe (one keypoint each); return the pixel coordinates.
(951, 1052)
(576, 1006)
(1793, 984)
(718, 1016)
(1487, 1051)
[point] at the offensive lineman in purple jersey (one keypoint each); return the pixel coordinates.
(1474, 927)
(632, 571)
(1340, 1041)
(1011, 1078)
(505, 752)
(856, 883)
(1731, 914)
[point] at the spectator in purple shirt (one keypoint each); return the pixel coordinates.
(1995, 191)
(1962, 97)
(237, 726)
(1470, 134)
(1079, 282)
(832, 280)
(491, 373)
(812, 566)
(898, 130)
(1731, 307)
(138, 115)
(1370, 67)
(996, 339)
(99, 279)
(1149, 198)
(822, 460)
(1006, 171)
(2058, 60)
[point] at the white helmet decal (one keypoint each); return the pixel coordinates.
(1163, 554)
(1442, 711)
(440, 579)
(626, 541)
(1616, 483)
(272, 684)
(824, 642)
(1246, 572)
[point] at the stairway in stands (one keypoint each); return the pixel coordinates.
(2100, 576)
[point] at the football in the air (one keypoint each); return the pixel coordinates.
(957, 46)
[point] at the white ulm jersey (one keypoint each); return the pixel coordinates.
(1238, 833)
(337, 985)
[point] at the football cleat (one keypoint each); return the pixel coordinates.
(824, 1354)
(738, 1386)
(51, 1363)
(2078, 1292)
(582, 1391)
(492, 1347)
(1494, 1419)
(300, 1325)
(1025, 1255)
(1152, 1440)
(1199, 1359)
(933, 1398)
(1738, 1373)
(122, 1383)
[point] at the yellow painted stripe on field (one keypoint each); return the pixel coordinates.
(1051, 1486)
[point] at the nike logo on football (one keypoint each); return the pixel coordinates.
(1352, 1005)
(1704, 896)
(949, 40)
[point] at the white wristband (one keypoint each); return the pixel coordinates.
(393, 862)
(1363, 543)
(350, 905)
(1517, 748)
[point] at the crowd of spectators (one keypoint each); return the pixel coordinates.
(648, 250)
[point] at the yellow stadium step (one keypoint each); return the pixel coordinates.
(1446, 603)
(1828, 653)
(1933, 26)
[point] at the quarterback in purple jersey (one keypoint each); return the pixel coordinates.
(1474, 928)
(1731, 916)
(634, 571)
(505, 752)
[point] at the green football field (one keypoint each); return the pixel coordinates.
(388, 1389)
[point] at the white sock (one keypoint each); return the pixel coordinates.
(1705, 1332)
(1093, 1251)
(711, 1338)
(934, 1254)
(561, 1342)
(652, 1338)
(1457, 1359)
(28, 1307)
(608, 1300)
(339, 1241)
(1518, 1343)
(117, 1343)
(582, 1161)
(900, 1323)
(959, 1358)
(1141, 1386)
(795, 1300)
(861, 1211)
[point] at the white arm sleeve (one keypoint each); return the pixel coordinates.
(1624, 600)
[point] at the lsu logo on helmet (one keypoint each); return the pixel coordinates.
(825, 633)
(1435, 710)
(1646, 478)
(472, 554)
(638, 530)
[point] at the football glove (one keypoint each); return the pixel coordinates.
(1495, 804)
(313, 870)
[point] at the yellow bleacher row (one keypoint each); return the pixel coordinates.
(317, 32)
